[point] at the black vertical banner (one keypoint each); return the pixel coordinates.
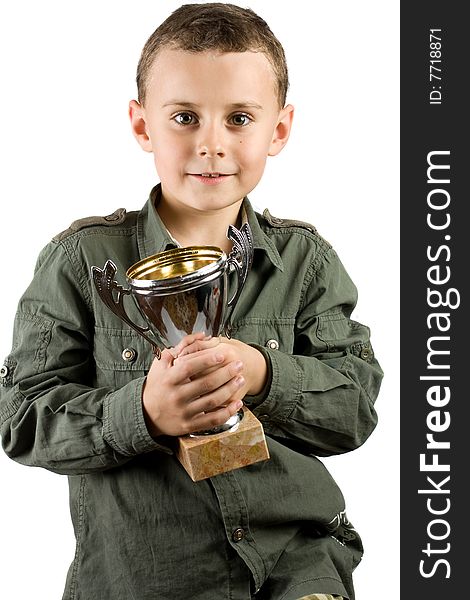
(435, 333)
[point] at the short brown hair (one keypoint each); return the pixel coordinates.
(214, 26)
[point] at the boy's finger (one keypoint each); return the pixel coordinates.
(215, 418)
(167, 357)
(216, 387)
(188, 340)
(192, 365)
(199, 345)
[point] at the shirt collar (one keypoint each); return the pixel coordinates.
(261, 241)
(153, 237)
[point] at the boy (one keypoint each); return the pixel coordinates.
(82, 396)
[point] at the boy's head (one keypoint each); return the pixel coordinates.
(214, 27)
(212, 82)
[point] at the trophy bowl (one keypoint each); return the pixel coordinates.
(181, 291)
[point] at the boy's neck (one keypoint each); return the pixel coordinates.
(197, 228)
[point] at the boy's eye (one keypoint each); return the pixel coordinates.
(240, 119)
(185, 118)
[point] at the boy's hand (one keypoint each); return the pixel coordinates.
(200, 390)
(255, 370)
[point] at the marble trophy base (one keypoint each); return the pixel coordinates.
(208, 455)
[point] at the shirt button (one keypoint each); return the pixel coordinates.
(273, 344)
(129, 354)
(238, 534)
(4, 371)
(365, 353)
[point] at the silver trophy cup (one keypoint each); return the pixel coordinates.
(181, 291)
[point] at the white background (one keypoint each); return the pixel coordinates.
(67, 74)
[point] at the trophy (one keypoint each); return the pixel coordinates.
(183, 291)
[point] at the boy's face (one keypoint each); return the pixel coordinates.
(211, 120)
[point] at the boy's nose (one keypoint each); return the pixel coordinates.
(211, 143)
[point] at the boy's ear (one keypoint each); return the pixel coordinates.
(139, 126)
(282, 130)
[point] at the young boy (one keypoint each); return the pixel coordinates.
(81, 394)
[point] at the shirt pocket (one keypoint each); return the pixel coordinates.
(120, 355)
(276, 334)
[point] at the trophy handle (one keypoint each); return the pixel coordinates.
(240, 260)
(105, 285)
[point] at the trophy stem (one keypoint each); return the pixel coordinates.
(231, 424)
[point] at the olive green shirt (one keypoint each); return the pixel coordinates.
(71, 402)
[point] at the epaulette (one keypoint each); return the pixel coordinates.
(116, 218)
(277, 222)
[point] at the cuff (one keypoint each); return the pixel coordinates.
(124, 427)
(255, 400)
(285, 387)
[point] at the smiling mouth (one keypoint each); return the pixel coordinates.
(214, 175)
(210, 178)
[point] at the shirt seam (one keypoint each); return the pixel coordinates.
(299, 375)
(298, 230)
(81, 513)
(97, 230)
(312, 270)
(262, 321)
(76, 268)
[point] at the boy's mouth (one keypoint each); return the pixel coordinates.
(210, 178)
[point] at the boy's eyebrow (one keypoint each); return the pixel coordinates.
(247, 104)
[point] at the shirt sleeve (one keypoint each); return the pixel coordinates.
(321, 397)
(51, 415)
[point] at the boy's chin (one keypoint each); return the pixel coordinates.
(214, 203)
(209, 200)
